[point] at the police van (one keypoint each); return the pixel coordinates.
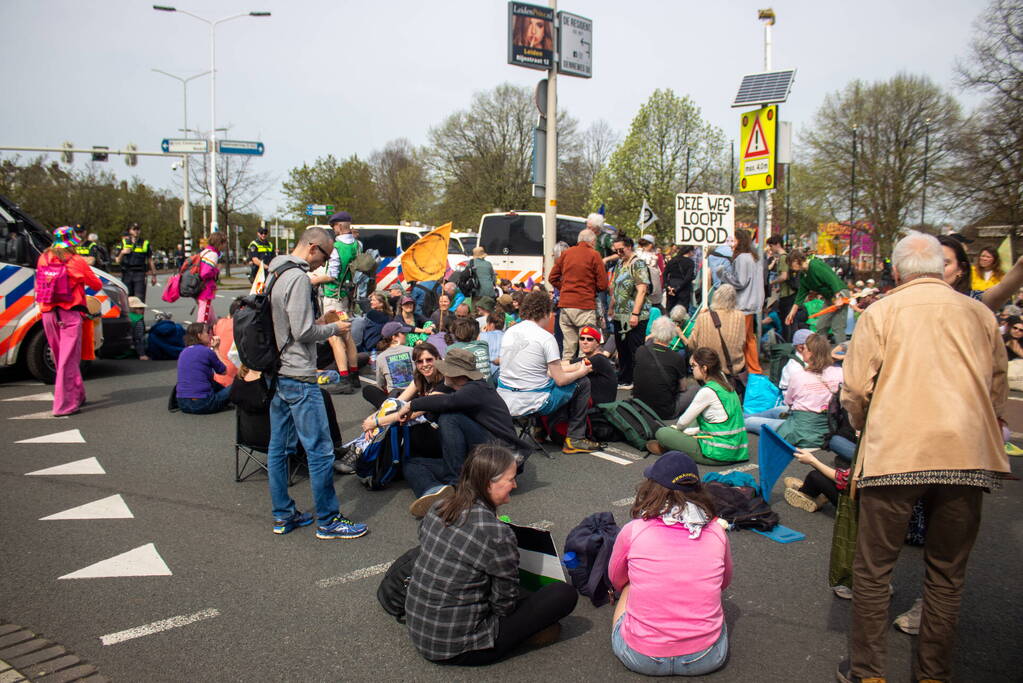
(22, 341)
(514, 242)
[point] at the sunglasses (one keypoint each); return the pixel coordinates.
(1017, 329)
(587, 339)
(322, 250)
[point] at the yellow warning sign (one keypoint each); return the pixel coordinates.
(757, 149)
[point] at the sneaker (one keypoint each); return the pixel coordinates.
(421, 505)
(800, 500)
(844, 675)
(841, 591)
(340, 527)
(624, 387)
(909, 622)
(344, 462)
(579, 446)
(283, 526)
(354, 380)
(342, 387)
(793, 483)
(655, 447)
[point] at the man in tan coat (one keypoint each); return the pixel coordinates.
(930, 365)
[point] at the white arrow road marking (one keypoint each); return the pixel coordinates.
(44, 415)
(363, 573)
(112, 507)
(141, 561)
(86, 466)
(70, 436)
(158, 626)
(45, 396)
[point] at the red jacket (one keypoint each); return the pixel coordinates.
(80, 275)
(579, 273)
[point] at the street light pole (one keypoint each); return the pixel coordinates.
(852, 195)
(184, 163)
(214, 227)
(927, 153)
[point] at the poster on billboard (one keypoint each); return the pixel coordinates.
(530, 36)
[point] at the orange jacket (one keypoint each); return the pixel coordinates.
(80, 275)
(579, 273)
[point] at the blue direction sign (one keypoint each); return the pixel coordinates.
(240, 147)
(184, 146)
(319, 209)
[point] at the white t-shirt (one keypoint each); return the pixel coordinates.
(707, 403)
(786, 372)
(526, 349)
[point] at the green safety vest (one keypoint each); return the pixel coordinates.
(261, 247)
(85, 248)
(728, 442)
(136, 260)
(347, 254)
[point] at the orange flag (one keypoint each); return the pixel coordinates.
(427, 258)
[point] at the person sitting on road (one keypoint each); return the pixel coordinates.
(719, 437)
(196, 391)
(603, 376)
(470, 415)
(533, 380)
(797, 361)
(806, 399)
(394, 358)
(671, 563)
(733, 329)
(464, 605)
(440, 317)
(660, 374)
(493, 335)
(406, 314)
(821, 485)
(466, 334)
(378, 315)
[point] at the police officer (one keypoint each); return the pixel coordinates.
(261, 251)
(136, 260)
(87, 248)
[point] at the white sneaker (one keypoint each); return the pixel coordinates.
(909, 622)
(420, 506)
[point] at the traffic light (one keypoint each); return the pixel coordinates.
(66, 156)
(99, 156)
(129, 158)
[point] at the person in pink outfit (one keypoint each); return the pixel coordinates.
(62, 311)
(670, 564)
(209, 271)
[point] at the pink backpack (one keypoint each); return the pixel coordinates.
(53, 283)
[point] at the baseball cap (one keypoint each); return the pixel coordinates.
(459, 363)
(262, 230)
(393, 328)
(649, 238)
(674, 470)
(591, 332)
(801, 336)
(340, 217)
(407, 300)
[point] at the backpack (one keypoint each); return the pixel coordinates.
(430, 300)
(381, 460)
(742, 506)
(469, 282)
(637, 421)
(761, 394)
(394, 586)
(592, 541)
(190, 284)
(53, 283)
(364, 263)
(254, 327)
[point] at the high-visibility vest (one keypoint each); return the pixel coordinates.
(85, 248)
(347, 254)
(136, 260)
(728, 441)
(261, 247)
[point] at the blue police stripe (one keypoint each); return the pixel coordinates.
(7, 272)
(20, 291)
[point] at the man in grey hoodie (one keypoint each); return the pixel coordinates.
(297, 410)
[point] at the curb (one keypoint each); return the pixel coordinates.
(25, 656)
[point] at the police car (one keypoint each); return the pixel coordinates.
(22, 340)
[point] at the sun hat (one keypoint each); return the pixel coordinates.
(65, 237)
(459, 363)
(135, 302)
(674, 470)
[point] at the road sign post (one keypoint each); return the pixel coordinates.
(319, 209)
(705, 220)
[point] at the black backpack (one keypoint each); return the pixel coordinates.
(742, 506)
(394, 586)
(254, 327)
(592, 541)
(469, 282)
(380, 462)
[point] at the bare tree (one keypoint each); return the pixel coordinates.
(996, 52)
(402, 180)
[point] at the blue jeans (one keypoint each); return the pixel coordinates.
(213, 403)
(842, 446)
(771, 418)
(297, 412)
(696, 664)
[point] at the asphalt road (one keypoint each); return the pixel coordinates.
(266, 607)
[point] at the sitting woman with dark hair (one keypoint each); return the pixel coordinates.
(197, 392)
(671, 563)
(464, 605)
(719, 437)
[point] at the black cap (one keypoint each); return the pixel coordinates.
(262, 230)
(340, 217)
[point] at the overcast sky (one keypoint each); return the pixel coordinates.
(343, 77)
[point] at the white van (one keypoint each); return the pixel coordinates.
(514, 242)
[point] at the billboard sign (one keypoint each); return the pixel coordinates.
(575, 45)
(530, 36)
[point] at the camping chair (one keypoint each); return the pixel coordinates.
(524, 425)
(252, 438)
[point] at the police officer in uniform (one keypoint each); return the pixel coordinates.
(87, 249)
(261, 251)
(136, 260)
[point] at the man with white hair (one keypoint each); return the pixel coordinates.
(579, 273)
(916, 444)
(659, 376)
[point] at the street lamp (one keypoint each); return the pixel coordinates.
(927, 153)
(213, 95)
(184, 164)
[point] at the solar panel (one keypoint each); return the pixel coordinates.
(764, 88)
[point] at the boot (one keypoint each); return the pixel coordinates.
(354, 381)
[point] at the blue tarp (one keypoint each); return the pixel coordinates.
(773, 455)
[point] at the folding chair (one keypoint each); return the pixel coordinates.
(252, 438)
(524, 425)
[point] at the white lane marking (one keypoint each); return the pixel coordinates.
(45, 396)
(70, 436)
(141, 561)
(220, 296)
(622, 502)
(1015, 398)
(367, 379)
(741, 468)
(158, 626)
(1016, 435)
(363, 573)
(156, 310)
(85, 466)
(112, 507)
(612, 458)
(625, 454)
(44, 415)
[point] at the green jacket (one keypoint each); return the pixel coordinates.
(819, 278)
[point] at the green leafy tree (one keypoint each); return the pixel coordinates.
(669, 149)
(402, 181)
(347, 184)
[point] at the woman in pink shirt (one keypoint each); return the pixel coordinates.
(671, 563)
(209, 271)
